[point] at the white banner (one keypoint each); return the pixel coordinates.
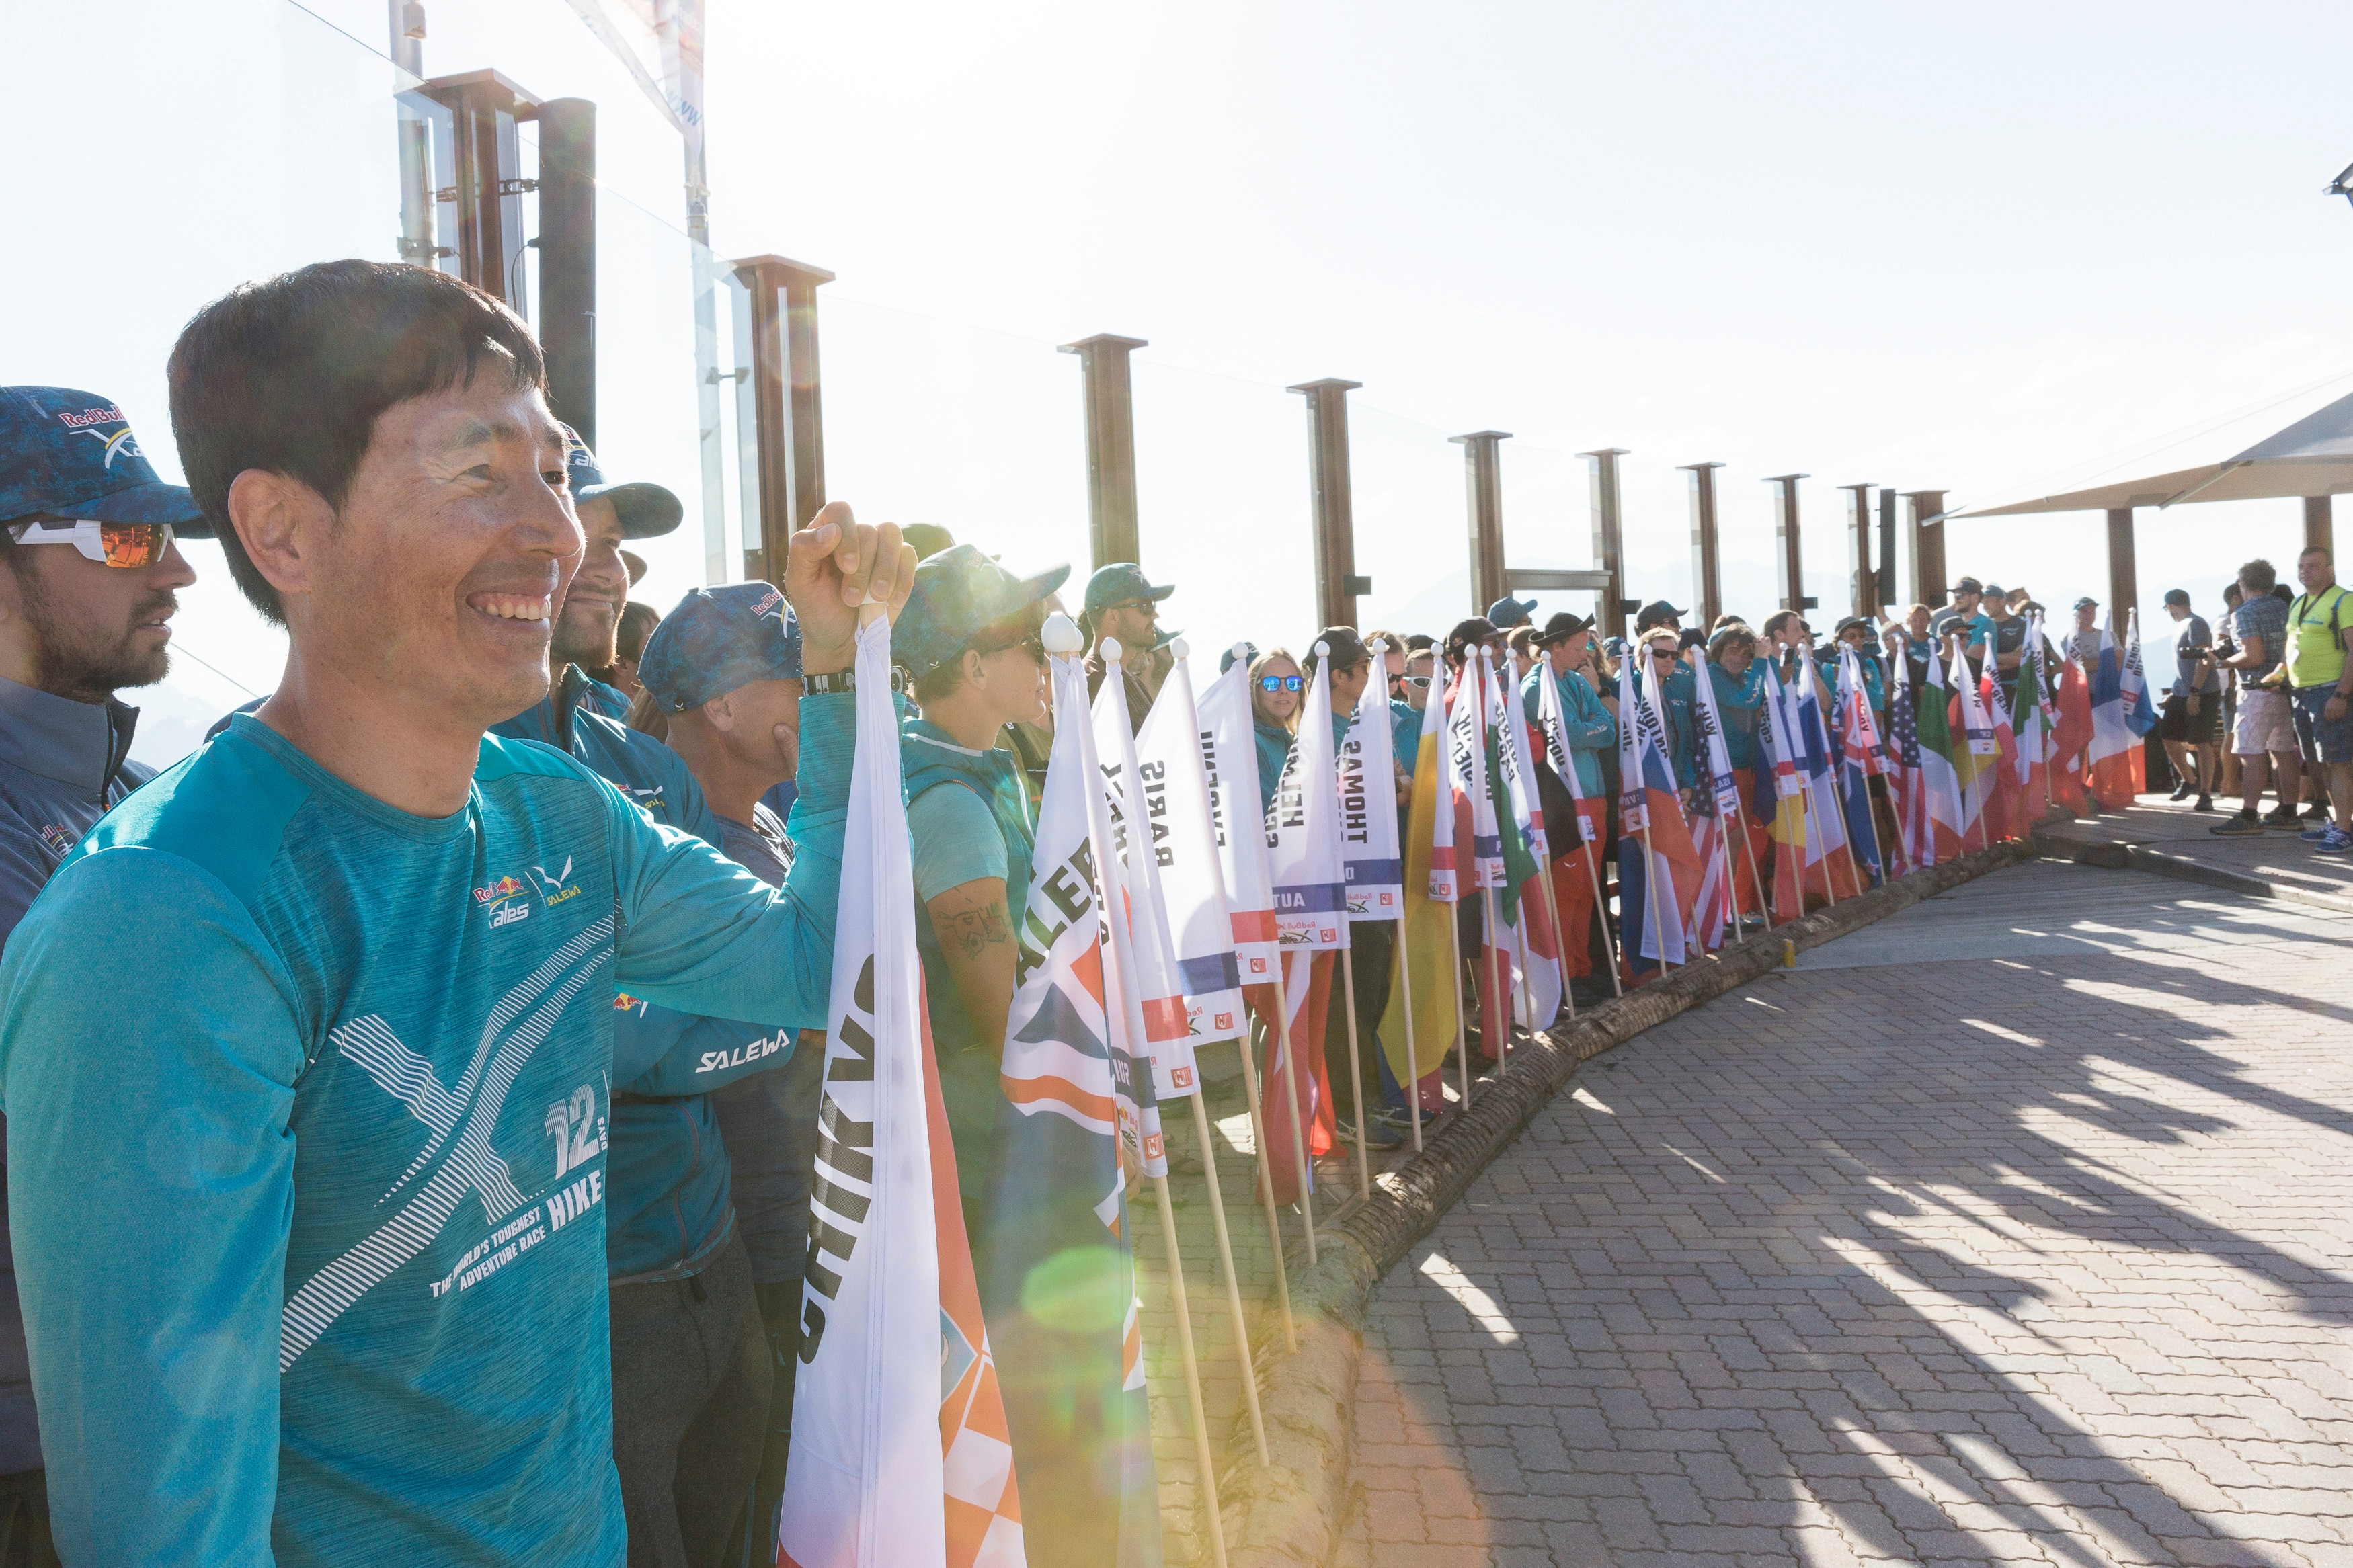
(1309, 880)
(662, 43)
(1229, 758)
(1175, 781)
(1160, 993)
(1368, 818)
(866, 1458)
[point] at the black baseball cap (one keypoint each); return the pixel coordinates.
(1657, 613)
(1969, 586)
(1345, 648)
(646, 510)
(2176, 596)
(1117, 583)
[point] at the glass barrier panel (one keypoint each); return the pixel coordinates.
(1412, 528)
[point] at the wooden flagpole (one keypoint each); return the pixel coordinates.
(1291, 1082)
(1461, 1027)
(1589, 851)
(1559, 937)
(1202, 1454)
(1266, 1187)
(1651, 894)
(1749, 847)
(1412, 1056)
(1356, 1068)
(1226, 1261)
(1487, 945)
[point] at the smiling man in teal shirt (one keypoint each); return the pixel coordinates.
(311, 1253)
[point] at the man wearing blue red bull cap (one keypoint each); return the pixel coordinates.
(1123, 604)
(88, 574)
(309, 1247)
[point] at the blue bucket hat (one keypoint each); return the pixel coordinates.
(71, 454)
(718, 639)
(646, 510)
(959, 591)
(1117, 583)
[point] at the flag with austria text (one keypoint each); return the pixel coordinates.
(1060, 1291)
(897, 1399)
(1310, 916)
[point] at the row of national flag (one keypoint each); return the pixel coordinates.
(1162, 908)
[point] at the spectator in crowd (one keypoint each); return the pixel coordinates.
(2005, 635)
(1507, 612)
(1278, 694)
(2084, 641)
(1657, 613)
(1476, 631)
(89, 571)
(723, 678)
(1520, 644)
(1918, 643)
(1737, 684)
(1122, 604)
(1590, 732)
(1965, 614)
(639, 620)
(970, 638)
(1405, 717)
(2019, 599)
(2228, 783)
(2265, 739)
(320, 1351)
(2319, 678)
(2191, 723)
(1371, 942)
(1242, 653)
(1662, 646)
(1855, 632)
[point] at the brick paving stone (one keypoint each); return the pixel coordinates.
(2017, 1228)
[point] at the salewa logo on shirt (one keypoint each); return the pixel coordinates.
(555, 888)
(750, 1051)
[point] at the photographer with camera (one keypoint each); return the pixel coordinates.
(2192, 723)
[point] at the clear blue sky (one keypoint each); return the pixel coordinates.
(1956, 249)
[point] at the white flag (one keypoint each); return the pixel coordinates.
(1169, 762)
(662, 43)
(1368, 820)
(1229, 758)
(866, 1458)
(1309, 880)
(1160, 993)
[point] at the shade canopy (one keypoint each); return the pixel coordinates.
(2312, 457)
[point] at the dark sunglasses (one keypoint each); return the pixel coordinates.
(1033, 645)
(1281, 683)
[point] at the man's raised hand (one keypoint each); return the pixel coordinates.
(830, 568)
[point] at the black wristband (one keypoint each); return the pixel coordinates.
(827, 684)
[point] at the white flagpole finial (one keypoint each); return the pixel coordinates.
(1322, 650)
(1061, 634)
(1110, 649)
(1179, 648)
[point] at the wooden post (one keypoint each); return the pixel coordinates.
(1111, 445)
(1707, 570)
(2320, 523)
(1336, 582)
(1608, 541)
(1788, 562)
(1862, 578)
(1924, 519)
(2124, 575)
(1483, 473)
(788, 422)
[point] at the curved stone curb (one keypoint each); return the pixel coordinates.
(1291, 1513)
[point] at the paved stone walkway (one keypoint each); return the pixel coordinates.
(2016, 1228)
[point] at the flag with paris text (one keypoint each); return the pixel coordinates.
(1136, 835)
(1180, 805)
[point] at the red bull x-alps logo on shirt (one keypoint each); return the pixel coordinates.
(508, 899)
(118, 444)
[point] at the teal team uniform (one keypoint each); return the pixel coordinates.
(308, 1102)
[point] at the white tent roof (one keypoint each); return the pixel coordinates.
(2312, 457)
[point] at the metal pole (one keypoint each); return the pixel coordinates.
(1483, 473)
(1336, 583)
(1788, 561)
(406, 20)
(1707, 570)
(568, 259)
(1862, 580)
(1111, 443)
(1609, 541)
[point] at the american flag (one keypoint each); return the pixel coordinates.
(1909, 783)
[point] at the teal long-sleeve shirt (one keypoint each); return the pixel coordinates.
(1273, 744)
(1738, 700)
(1591, 730)
(305, 1203)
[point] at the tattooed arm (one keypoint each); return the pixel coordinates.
(976, 939)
